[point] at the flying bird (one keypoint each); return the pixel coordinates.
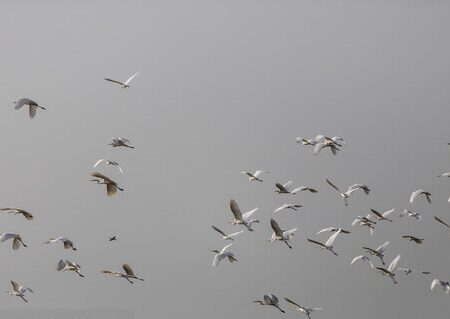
(444, 284)
(390, 271)
(362, 258)
(351, 189)
(407, 271)
(68, 244)
(254, 176)
(306, 310)
(287, 206)
(409, 213)
(65, 264)
(17, 240)
(226, 236)
(32, 106)
(383, 216)
(441, 221)
(111, 186)
(420, 192)
(224, 253)
(128, 275)
(328, 244)
(414, 239)
(121, 141)
(379, 251)
(125, 84)
(19, 291)
(113, 238)
(333, 143)
(365, 222)
(332, 230)
(108, 162)
(284, 189)
(19, 211)
(242, 219)
(270, 300)
(281, 234)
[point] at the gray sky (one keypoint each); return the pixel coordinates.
(225, 86)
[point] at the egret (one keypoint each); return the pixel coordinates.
(332, 230)
(17, 240)
(224, 253)
(270, 300)
(383, 216)
(390, 271)
(65, 264)
(284, 189)
(409, 213)
(365, 221)
(363, 258)
(306, 310)
(111, 186)
(413, 238)
(128, 275)
(19, 291)
(281, 234)
(420, 192)
(121, 141)
(287, 206)
(68, 244)
(328, 244)
(242, 219)
(254, 176)
(379, 251)
(125, 84)
(226, 236)
(108, 162)
(32, 106)
(351, 189)
(19, 211)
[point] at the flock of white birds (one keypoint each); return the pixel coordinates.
(111, 189)
(286, 235)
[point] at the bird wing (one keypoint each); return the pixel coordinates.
(281, 187)
(387, 213)
(257, 173)
(131, 78)
(111, 80)
(274, 299)
(276, 228)
(441, 221)
(281, 208)
(356, 259)
(289, 232)
(403, 213)
(428, 196)
(218, 230)
(287, 184)
(6, 236)
(32, 110)
(329, 229)
(332, 185)
(98, 162)
(15, 285)
(382, 247)
(23, 289)
(414, 195)
(330, 240)
(225, 248)
(291, 302)
(249, 213)
(393, 264)
(111, 189)
(318, 148)
(315, 242)
(217, 259)
(376, 213)
(21, 102)
(128, 269)
(101, 176)
(434, 283)
(120, 168)
(61, 264)
(235, 234)
(235, 210)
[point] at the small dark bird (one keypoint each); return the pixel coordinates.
(441, 221)
(112, 238)
(414, 239)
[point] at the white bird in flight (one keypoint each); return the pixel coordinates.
(19, 211)
(379, 251)
(409, 213)
(390, 271)
(254, 176)
(306, 310)
(383, 216)
(420, 192)
(281, 234)
(226, 236)
(242, 219)
(284, 189)
(365, 221)
(444, 284)
(128, 275)
(287, 206)
(351, 189)
(111, 186)
(328, 244)
(270, 300)
(121, 141)
(108, 162)
(17, 240)
(362, 258)
(18, 291)
(68, 244)
(32, 106)
(224, 253)
(333, 143)
(65, 264)
(332, 230)
(125, 84)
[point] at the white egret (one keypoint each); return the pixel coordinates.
(306, 310)
(281, 234)
(108, 162)
(390, 271)
(19, 291)
(68, 244)
(284, 189)
(414, 239)
(65, 264)
(254, 176)
(17, 240)
(19, 211)
(383, 216)
(328, 244)
(128, 275)
(121, 141)
(224, 253)
(32, 106)
(409, 213)
(420, 192)
(287, 206)
(363, 258)
(111, 186)
(351, 189)
(242, 219)
(366, 222)
(125, 84)
(226, 236)
(270, 300)
(332, 230)
(379, 251)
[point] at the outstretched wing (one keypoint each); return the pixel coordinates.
(291, 302)
(131, 78)
(415, 194)
(393, 264)
(98, 162)
(218, 230)
(276, 228)
(128, 269)
(330, 240)
(382, 247)
(111, 80)
(332, 185)
(235, 210)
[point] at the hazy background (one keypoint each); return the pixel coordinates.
(224, 86)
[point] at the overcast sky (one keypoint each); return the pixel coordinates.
(224, 86)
